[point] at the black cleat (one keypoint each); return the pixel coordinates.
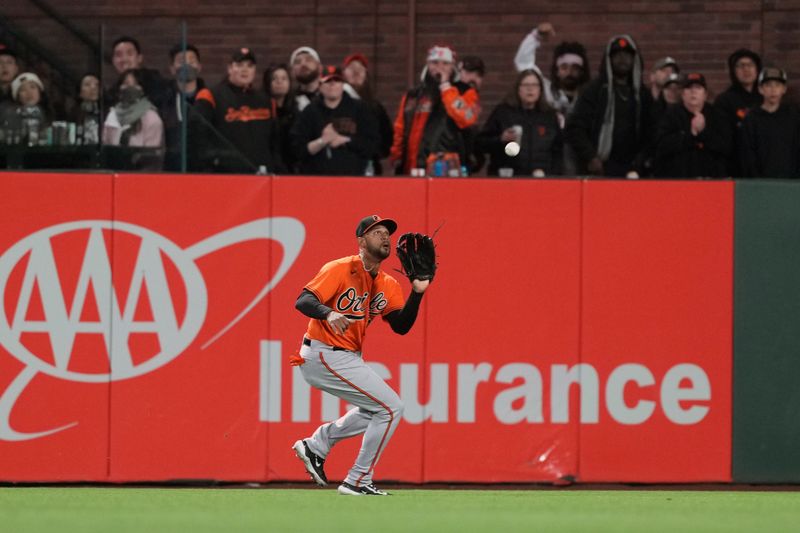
(312, 462)
(346, 489)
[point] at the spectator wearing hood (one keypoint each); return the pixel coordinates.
(336, 134)
(742, 95)
(693, 139)
(770, 133)
(356, 74)
(433, 116)
(610, 128)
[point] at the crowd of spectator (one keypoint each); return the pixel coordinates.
(308, 117)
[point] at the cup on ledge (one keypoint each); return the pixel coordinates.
(505, 172)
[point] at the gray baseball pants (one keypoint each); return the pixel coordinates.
(376, 413)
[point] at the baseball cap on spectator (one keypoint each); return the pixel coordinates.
(672, 78)
(693, 78)
(666, 62)
(361, 58)
(331, 72)
(22, 78)
(304, 50)
(6, 50)
(621, 44)
(243, 54)
(772, 73)
(441, 53)
(367, 223)
(473, 64)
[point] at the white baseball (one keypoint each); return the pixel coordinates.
(512, 149)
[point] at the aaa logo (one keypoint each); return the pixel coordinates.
(175, 324)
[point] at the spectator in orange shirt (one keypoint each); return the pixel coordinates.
(433, 116)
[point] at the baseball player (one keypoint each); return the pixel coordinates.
(342, 300)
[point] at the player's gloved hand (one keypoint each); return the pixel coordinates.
(417, 255)
(338, 322)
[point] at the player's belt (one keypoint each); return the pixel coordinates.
(307, 342)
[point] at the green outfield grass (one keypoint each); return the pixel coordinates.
(153, 510)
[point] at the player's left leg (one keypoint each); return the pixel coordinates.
(353, 423)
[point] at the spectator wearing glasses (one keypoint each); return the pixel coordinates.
(525, 118)
(742, 96)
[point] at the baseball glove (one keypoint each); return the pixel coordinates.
(417, 255)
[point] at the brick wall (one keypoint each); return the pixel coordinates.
(699, 34)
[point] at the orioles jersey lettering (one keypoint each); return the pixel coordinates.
(344, 286)
(246, 114)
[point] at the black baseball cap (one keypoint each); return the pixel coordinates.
(367, 223)
(473, 64)
(331, 72)
(5, 50)
(243, 54)
(622, 44)
(666, 62)
(772, 73)
(693, 78)
(673, 78)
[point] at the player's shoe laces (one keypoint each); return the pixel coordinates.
(347, 489)
(312, 462)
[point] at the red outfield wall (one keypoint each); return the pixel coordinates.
(576, 329)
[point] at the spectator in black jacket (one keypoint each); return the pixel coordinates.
(742, 95)
(770, 134)
(356, 73)
(335, 134)
(610, 126)
(237, 130)
(279, 87)
(524, 118)
(693, 139)
(186, 67)
(9, 69)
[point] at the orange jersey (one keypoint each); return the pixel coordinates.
(344, 286)
(413, 133)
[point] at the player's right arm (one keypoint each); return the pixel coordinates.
(324, 286)
(308, 304)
